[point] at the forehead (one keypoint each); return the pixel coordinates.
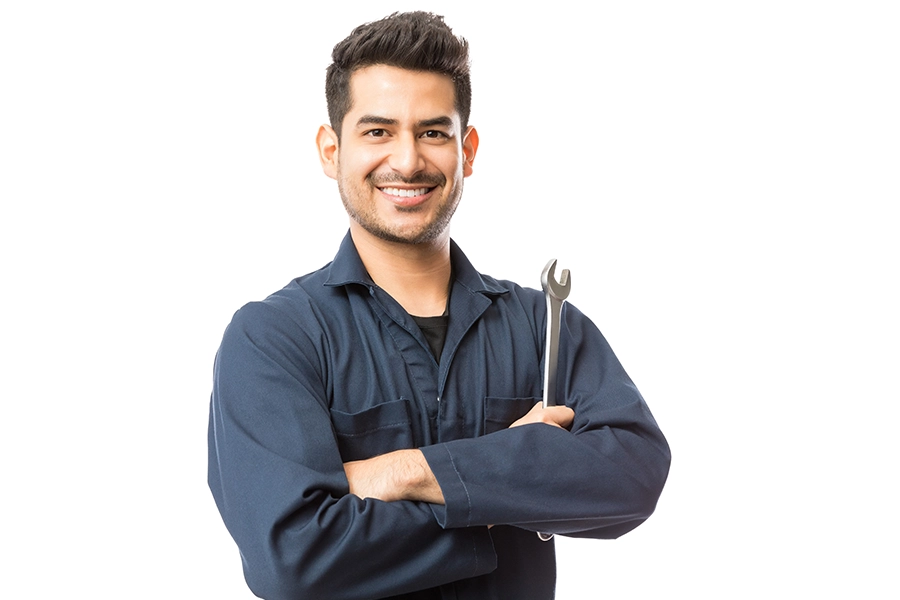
(394, 92)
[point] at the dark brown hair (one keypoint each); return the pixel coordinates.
(418, 41)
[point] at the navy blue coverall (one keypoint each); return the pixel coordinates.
(332, 369)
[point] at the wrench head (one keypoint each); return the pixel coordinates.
(558, 289)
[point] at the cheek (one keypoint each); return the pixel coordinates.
(447, 163)
(361, 162)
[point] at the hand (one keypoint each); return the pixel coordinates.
(399, 475)
(558, 416)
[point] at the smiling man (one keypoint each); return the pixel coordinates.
(376, 428)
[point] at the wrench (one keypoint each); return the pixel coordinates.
(556, 294)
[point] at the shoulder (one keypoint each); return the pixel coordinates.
(299, 308)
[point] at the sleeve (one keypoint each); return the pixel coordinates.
(601, 479)
(278, 480)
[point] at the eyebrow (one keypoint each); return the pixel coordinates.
(437, 121)
(376, 120)
(373, 120)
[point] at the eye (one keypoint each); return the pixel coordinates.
(376, 133)
(434, 134)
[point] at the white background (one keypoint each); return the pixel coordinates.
(720, 177)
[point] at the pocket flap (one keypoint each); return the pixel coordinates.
(376, 430)
(499, 413)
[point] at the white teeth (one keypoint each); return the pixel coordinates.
(404, 193)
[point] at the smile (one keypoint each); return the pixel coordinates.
(405, 193)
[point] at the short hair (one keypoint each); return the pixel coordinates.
(418, 41)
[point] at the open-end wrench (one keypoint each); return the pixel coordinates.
(556, 294)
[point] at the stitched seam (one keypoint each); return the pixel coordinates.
(465, 489)
(368, 431)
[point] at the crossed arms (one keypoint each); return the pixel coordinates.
(405, 474)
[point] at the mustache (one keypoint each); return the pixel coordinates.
(420, 179)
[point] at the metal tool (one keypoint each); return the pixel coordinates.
(556, 293)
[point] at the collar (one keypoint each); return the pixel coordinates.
(347, 268)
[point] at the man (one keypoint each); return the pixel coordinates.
(375, 427)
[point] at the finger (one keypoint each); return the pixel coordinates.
(559, 415)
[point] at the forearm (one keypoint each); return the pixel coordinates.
(399, 475)
(549, 479)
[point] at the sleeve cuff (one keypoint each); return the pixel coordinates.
(457, 508)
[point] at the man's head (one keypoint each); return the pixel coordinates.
(416, 41)
(399, 146)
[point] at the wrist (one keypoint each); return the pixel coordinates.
(417, 482)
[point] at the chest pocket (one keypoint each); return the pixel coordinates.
(499, 413)
(381, 428)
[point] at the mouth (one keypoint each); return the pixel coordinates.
(405, 193)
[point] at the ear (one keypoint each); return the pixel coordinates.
(470, 147)
(327, 143)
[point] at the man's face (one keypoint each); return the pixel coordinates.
(402, 156)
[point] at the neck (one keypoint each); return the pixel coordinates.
(417, 276)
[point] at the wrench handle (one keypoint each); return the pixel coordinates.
(551, 360)
(551, 350)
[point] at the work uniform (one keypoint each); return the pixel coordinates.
(331, 369)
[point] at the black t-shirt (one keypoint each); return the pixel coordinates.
(435, 330)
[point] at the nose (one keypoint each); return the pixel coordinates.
(406, 157)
